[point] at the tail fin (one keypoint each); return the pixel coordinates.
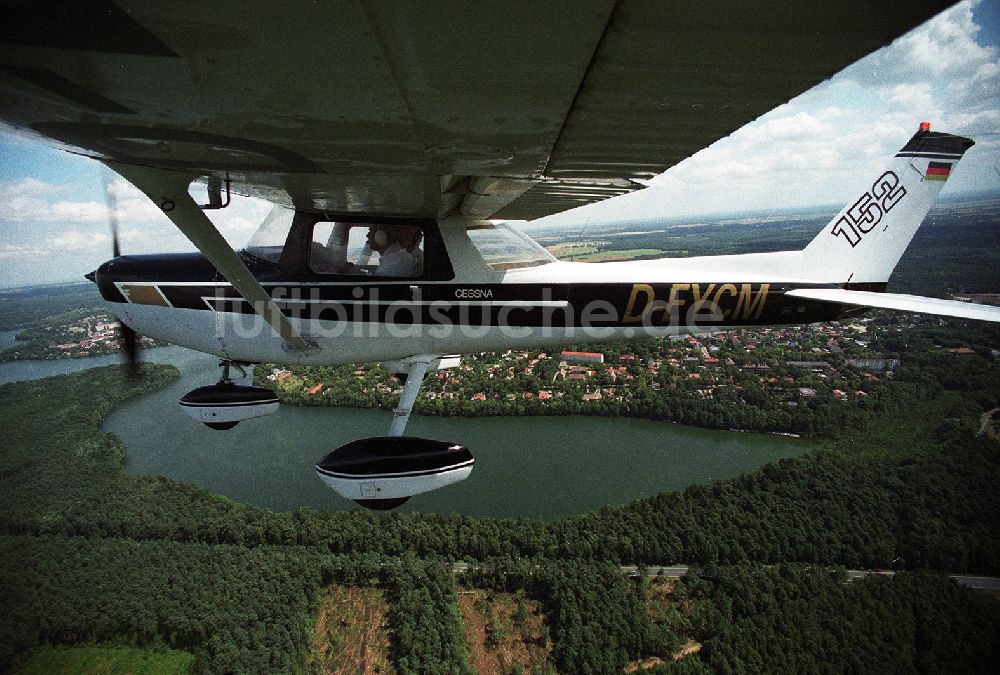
(863, 243)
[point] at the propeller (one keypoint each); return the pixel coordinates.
(129, 338)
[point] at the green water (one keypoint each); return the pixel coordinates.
(547, 467)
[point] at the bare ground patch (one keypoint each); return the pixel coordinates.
(352, 633)
(504, 631)
(664, 607)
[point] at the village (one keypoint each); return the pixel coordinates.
(73, 335)
(766, 367)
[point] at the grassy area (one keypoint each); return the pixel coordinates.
(630, 254)
(105, 660)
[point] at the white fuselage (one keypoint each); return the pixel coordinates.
(544, 305)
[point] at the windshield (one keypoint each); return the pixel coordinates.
(269, 239)
(504, 248)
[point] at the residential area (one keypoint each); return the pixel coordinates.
(71, 335)
(783, 380)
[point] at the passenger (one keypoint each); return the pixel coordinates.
(410, 239)
(394, 260)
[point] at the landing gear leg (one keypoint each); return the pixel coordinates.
(416, 371)
(226, 365)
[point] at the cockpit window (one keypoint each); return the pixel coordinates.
(388, 250)
(269, 239)
(300, 242)
(504, 248)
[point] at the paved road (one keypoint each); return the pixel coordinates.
(978, 583)
(654, 571)
(677, 571)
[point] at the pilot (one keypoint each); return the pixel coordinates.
(394, 258)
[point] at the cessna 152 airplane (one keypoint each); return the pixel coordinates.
(398, 139)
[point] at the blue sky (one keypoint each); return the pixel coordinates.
(818, 149)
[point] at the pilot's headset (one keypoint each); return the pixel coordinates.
(380, 238)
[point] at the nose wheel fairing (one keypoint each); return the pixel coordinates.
(223, 405)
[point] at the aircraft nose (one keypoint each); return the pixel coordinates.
(102, 276)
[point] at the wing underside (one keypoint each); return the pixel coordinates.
(397, 108)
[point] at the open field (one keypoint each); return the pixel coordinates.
(105, 660)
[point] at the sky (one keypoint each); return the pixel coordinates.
(818, 149)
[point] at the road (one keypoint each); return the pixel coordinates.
(978, 583)
(678, 571)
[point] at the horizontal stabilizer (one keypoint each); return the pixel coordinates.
(906, 303)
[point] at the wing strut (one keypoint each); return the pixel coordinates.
(169, 191)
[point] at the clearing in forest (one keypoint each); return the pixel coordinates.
(352, 632)
(664, 607)
(504, 631)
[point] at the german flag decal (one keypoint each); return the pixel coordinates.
(938, 171)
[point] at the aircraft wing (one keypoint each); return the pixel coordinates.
(402, 108)
(906, 303)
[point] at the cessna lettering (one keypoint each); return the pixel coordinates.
(474, 293)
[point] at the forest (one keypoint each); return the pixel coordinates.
(93, 555)
(22, 307)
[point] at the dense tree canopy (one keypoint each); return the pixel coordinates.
(90, 553)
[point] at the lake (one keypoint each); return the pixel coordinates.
(526, 466)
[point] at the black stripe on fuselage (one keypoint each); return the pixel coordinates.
(188, 297)
(525, 305)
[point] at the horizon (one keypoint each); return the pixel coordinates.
(652, 221)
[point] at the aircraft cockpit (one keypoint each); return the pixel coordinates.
(303, 244)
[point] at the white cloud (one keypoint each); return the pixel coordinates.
(978, 88)
(143, 228)
(30, 200)
(801, 125)
(31, 187)
(944, 47)
(238, 221)
(75, 212)
(74, 240)
(9, 251)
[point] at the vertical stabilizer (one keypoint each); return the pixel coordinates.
(864, 242)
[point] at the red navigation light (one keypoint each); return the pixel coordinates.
(925, 126)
